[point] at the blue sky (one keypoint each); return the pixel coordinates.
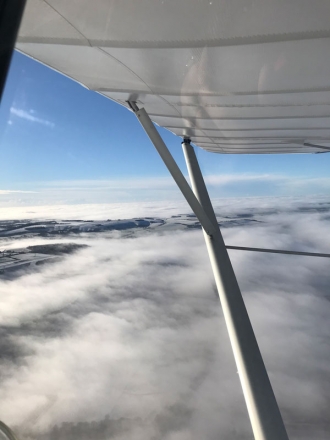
(65, 144)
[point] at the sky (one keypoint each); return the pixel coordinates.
(61, 143)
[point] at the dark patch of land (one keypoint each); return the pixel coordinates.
(56, 248)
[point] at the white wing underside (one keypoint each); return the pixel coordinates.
(235, 76)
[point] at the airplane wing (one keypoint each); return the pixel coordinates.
(235, 76)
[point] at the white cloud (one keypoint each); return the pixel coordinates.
(162, 208)
(95, 211)
(82, 185)
(154, 189)
(225, 179)
(30, 116)
(131, 327)
(9, 191)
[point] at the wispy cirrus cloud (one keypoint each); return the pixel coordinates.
(225, 179)
(30, 116)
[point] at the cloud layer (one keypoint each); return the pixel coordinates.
(127, 336)
(150, 189)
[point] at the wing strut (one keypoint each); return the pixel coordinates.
(279, 251)
(172, 166)
(265, 416)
